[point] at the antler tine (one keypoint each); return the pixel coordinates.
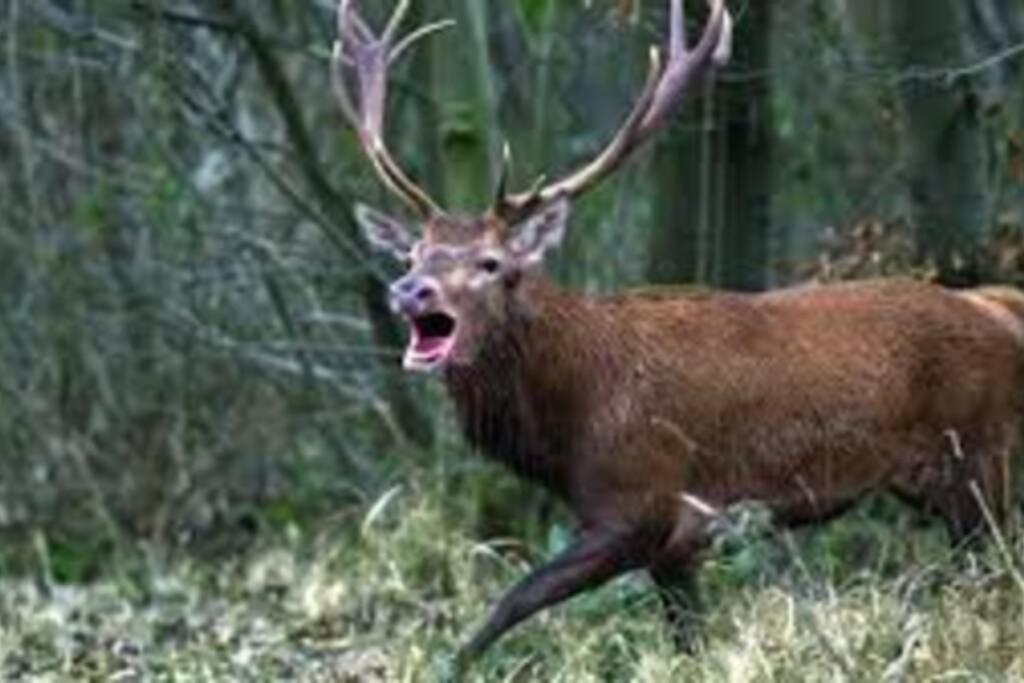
(677, 28)
(504, 174)
(338, 64)
(349, 21)
(683, 64)
(395, 22)
(662, 93)
(417, 35)
(361, 57)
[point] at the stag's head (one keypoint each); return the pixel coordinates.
(465, 274)
(463, 279)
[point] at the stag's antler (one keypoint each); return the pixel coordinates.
(665, 87)
(364, 58)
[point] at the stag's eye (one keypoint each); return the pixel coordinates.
(489, 265)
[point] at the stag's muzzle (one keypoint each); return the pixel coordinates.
(431, 328)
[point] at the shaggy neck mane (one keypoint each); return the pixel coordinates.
(513, 401)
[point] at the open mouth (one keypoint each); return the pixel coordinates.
(433, 337)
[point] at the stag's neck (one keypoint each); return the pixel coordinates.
(521, 401)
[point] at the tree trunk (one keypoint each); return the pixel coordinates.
(678, 246)
(945, 152)
(714, 175)
(466, 117)
(746, 123)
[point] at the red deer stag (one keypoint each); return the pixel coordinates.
(647, 412)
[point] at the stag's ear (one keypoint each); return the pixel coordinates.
(541, 232)
(384, 232)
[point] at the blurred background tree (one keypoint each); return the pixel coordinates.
(194, 342)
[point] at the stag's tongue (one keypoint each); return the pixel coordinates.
(427, 346)
(433, 337)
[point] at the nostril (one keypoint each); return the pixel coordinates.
(406, 287)
(413, 290)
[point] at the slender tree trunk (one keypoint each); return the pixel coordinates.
(416, 131)
(681, 201)
(714, 175)
(746, 123)
(945, 150)
(465, 95)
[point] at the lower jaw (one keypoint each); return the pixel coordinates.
(427, 363)
(428, 355)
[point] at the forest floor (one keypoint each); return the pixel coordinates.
(389, 595)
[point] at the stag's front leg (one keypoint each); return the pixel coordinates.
(674, 573)
(681, 603)
(589, 562)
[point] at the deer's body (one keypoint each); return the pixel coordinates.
(649, 412)
(805, 399)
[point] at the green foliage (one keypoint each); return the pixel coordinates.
(536, 14)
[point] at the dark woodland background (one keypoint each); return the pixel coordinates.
(195, 353)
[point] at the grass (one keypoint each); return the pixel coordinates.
(389, 595)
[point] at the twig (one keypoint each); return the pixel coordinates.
(190, 20)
